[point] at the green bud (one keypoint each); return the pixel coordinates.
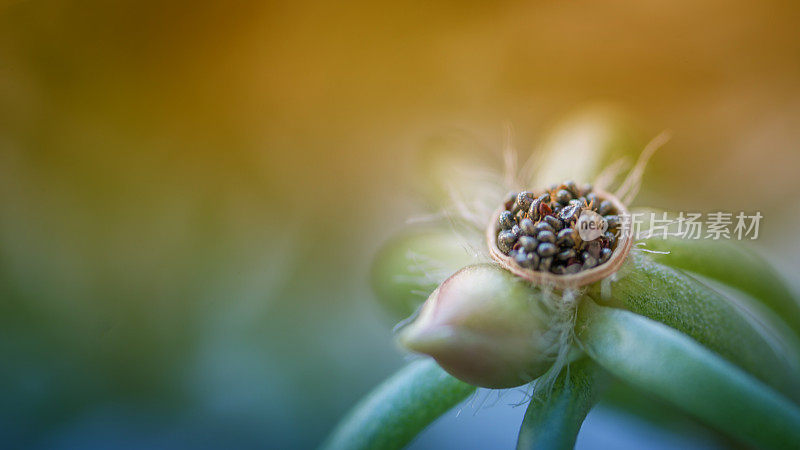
(486, 327)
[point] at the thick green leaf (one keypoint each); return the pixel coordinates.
(553, 421)
(681, 302)
(734, 265)
(671, 365)
(397, 410)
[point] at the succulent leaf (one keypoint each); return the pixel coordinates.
(397, 410)
(680, 301)
(735, 265)
(656, 358)
(553, 421)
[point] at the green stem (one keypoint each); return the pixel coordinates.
(397, 410)
(553, 422)
(672, 366)
(735, 266)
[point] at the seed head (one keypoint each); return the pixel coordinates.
(562, 231)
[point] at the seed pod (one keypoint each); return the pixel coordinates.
(486, 327)
(506, 220)
(553, 251)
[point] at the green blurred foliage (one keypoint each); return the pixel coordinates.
(191, 193)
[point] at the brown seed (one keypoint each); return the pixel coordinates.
(566, 254)
(546, 249)
(566, 238)
(524, 200)
(570, 213)
(506, 240)
(554, 222)
(527, 227)
(546, 236)
(506, 220)
(563, 196)
(605, 207)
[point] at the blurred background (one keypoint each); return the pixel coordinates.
(191, 193)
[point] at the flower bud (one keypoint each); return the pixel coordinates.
(486, 327)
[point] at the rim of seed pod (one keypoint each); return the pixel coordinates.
(623, 248)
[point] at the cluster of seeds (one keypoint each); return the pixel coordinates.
(540, 232)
